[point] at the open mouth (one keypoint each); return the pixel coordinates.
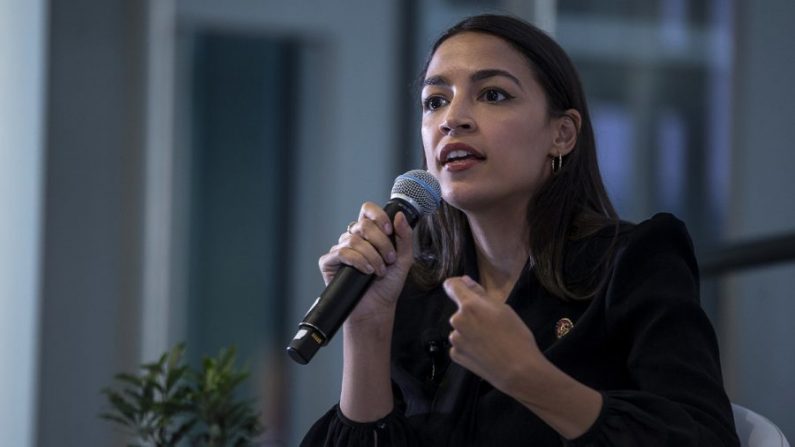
(459, 152)
(459, 155)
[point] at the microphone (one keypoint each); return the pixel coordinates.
(415, 193)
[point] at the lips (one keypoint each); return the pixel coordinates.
(457, 153)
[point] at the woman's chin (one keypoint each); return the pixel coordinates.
(466, 202)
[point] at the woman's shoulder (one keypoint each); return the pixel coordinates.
(662, 232)
(630, 250)
(655, 254)
(659, 225)
(661, 236)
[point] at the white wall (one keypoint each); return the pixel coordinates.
(22, 67)
(89, 325)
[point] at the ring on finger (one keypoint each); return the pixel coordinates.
(350, 226)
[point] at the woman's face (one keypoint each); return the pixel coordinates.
(485, 129)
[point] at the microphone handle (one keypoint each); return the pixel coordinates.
(333, 306)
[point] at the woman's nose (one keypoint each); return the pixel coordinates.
(457, 119)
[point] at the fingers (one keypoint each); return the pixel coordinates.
(403, 238)
(371, 211)
(469, 296)
(359, 248)
(364, 258)
(367, 246)
(459, 348)
(485, 332)
(368, 232)
(463, 292)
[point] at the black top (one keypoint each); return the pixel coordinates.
(643, 342)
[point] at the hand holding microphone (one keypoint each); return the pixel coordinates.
(377, 247)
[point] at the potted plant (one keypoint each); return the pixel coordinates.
(167, 404)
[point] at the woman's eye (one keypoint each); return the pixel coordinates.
(495, 95)
(433, 102)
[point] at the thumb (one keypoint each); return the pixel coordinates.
(462, 288)
(473, 285)
(477, 288)
(404, 243)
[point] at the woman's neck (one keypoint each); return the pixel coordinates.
(501, 243)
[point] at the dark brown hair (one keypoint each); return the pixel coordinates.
(572, 204)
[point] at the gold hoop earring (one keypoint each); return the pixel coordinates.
(557, 163)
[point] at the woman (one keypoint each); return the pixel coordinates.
(524, 312)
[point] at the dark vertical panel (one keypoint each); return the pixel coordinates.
(408, 149)
(244, 99)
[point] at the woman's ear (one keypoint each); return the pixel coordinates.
(567, 130)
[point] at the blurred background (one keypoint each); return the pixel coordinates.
(171, 171)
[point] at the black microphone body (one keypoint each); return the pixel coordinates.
(414, 194)
(342, 294)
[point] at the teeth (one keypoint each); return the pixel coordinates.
(457, 154)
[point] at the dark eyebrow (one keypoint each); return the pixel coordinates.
(492, 72)
(435, 80)
(476, 76)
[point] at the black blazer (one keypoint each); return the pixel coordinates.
(643, 342)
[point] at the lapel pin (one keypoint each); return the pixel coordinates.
(562, 327)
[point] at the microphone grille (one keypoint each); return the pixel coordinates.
(421, 187)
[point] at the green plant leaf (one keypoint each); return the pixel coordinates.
(173, 376)
(117, 419)
(129, 378)
(183, 430)
(168, 402)
(122, 405)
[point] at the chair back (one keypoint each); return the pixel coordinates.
(755, 430)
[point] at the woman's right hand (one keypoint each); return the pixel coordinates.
(366, 246)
